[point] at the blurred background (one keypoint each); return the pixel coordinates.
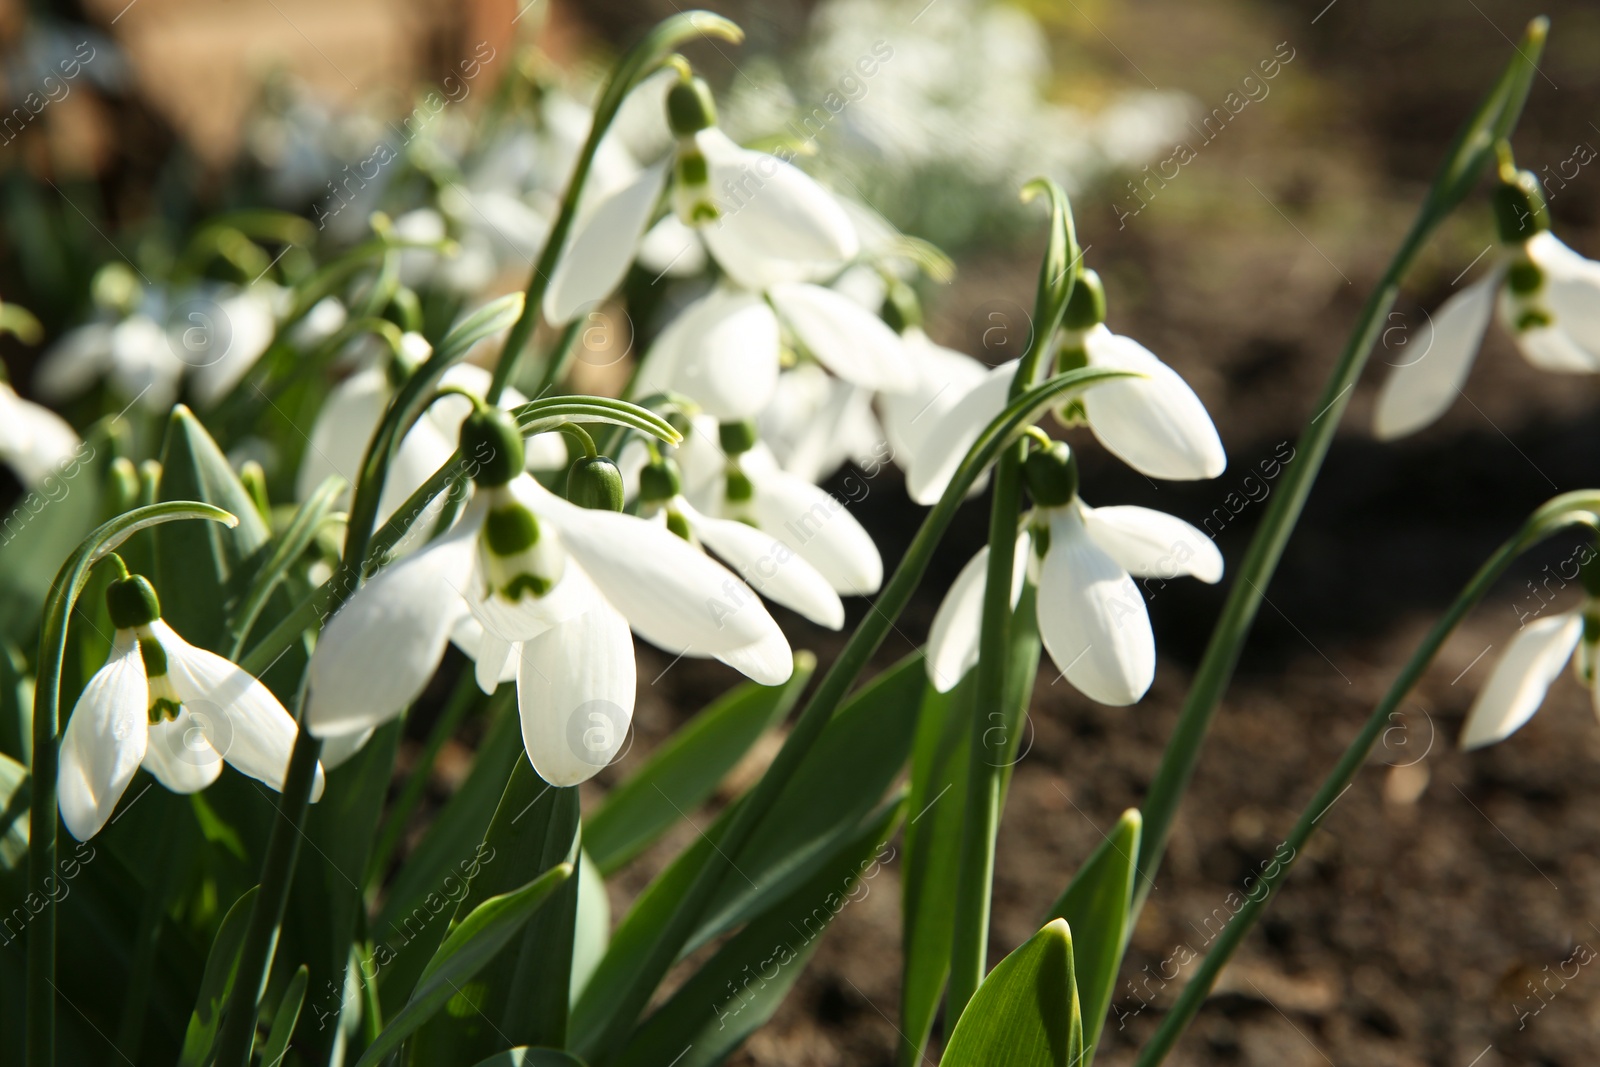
(1443, 890)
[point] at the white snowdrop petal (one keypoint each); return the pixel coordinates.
(672, 249)
(75, 362)
(1521, 678)
(952, 648)
(180, 757)
(776, 222)
(771, 568)
(342, 429)
(1155, 423)
(242, 331)
(1153, 544)
(1552, 348)
(768, 661)
(575, 692)
(602, 247)
(671, 593)
(494, 657)
(949, 438)
(1572, 292)
(1431, 368)
(1092, 620)
(944, 376)
(378, 651)
(34, 440)
(104, 740)
(850, 341)
(820, 529)
(423, 450)
(337, 750)
(241, 718)
(729, 353)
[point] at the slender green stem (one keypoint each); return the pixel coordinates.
(1472, 150)
(266, 914)
(639, 62)
(1564, 510)
(986, 759)
(44, 771)
(752, 809)
(465, 697)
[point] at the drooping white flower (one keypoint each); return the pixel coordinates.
(222, 336)
(34, 441)
(764, 221)
(768, 565)
(1091, 614)
(1524, 672)
(725, 350)
(1548, 298)
(134, 353)
(729, 474)
(815, 423)
(344, 426)
(1154, 423)
(553, 585)
(177, 710)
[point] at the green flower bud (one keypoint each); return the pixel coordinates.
(901, 309)
(132, 602)
(1519, 208)
(594, 482)
(1086, 307)
(690, 108)
(660, 481)
(1051, 475)
(491, 442)
(737, 438)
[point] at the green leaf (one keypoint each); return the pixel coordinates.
(539, 416)
(592, 925)
(195, 562)
(13, 814)
(493, 317)
(1025, 1014)
(284, 1019)
(733, 994)
(932, 858)
(216, 985)
(531, 1057)
(1097, 906)
(286, 550)
(684, 772)
(524, 994)
(843, 778)
(16, 704)
(474, 941)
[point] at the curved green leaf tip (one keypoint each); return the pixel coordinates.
(1025, 1014)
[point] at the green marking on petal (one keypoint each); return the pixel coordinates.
(155, 657)
(510, 529)
(525, 584)
(1533, 319)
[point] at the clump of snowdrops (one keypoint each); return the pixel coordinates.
(222, 667)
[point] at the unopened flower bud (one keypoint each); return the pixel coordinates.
(132, 602)
(1051, 475)
(491, 442)
(594, 482)
(1519, 207)
(690, 108)
(660, 481)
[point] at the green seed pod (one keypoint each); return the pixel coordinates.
(1519, 208)
(594, 482)
(1051, 475)
(491, 443)
(132, 602)
(660, 481)
(1086, 307)
(737, 438)
(901, 309)
(690, 108)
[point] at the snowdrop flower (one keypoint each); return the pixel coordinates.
(127, 345)
(34, 441)
(764, 221)
(1092, 616)
(1548, 297)
(174, 709)
(815, 423)
(1154, 423)
(220, 338)
(1531, 662)
(767, 565)
(730, 474)
(726, 349)
(354, 407)
(553, 585)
